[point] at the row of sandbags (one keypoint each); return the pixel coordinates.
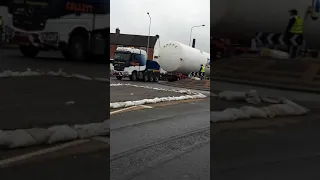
(279, 107)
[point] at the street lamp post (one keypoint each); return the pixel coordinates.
(148, 35)
(191, 32)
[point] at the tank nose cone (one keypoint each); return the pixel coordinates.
(169, 61)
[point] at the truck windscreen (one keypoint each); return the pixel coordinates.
(122, 56)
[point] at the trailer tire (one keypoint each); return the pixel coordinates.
(119, 77)
(29, 51)
(77, 48)
(133, 77)
(151, 77)
(145, 77)
(156, 78)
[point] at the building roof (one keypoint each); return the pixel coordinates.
(132, 40)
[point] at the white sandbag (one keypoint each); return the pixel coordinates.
(254, 112)
(20, 138)
(41, 135)
(4, 139)
(117, 105)
(300, 110)
(139, 102)
(252, 97)
(128, 103)
(79, 76)
(271, 100)
(279, 54)
(237, 113)
(278, 110)
(62, 133)
(232, 95)
(91, 130)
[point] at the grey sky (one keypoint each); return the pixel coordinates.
(171, 19)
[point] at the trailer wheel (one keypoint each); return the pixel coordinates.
(156, 78)
(151, 78)
(145, 77)
(133, 77)
(77, 48)
(29, 51)
(119, 77)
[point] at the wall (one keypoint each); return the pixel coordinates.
(112, 50)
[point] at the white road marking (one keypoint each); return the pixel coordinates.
(41, 152)
(120, 110)
(145, 106)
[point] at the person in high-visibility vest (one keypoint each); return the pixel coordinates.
(202, 71)
(295, 27)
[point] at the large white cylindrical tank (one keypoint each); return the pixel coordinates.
(177, 57)
(242, 19)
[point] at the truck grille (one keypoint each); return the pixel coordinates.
(119, 67)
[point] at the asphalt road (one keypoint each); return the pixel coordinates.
(129, 93)
(282, 148)
(11, 59)
(45, 101)
(146, 142)
(78, 162)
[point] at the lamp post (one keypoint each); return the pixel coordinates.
(191, 32)
(148, 35)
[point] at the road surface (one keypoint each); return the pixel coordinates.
(89, 159)
(284, 148)
(45, 101)
(146, 142)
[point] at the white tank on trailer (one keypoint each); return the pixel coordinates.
(177, 57)
(242, 19)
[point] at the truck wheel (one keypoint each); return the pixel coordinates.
(133, 77)
(119, 77)
(145, 77)
(29, 51)
(151, 78)
(77, 48)
(156, 78)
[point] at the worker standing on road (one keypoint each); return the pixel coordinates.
(202, 71)
(295, 27)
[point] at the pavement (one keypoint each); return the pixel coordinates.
(154, 138)
(278, 148)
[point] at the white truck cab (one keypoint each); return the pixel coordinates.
(77, 28)
(129, 62)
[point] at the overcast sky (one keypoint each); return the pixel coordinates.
(171, 19)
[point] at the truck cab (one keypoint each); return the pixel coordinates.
(132, 62)
(129, 62)
(77, 28)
